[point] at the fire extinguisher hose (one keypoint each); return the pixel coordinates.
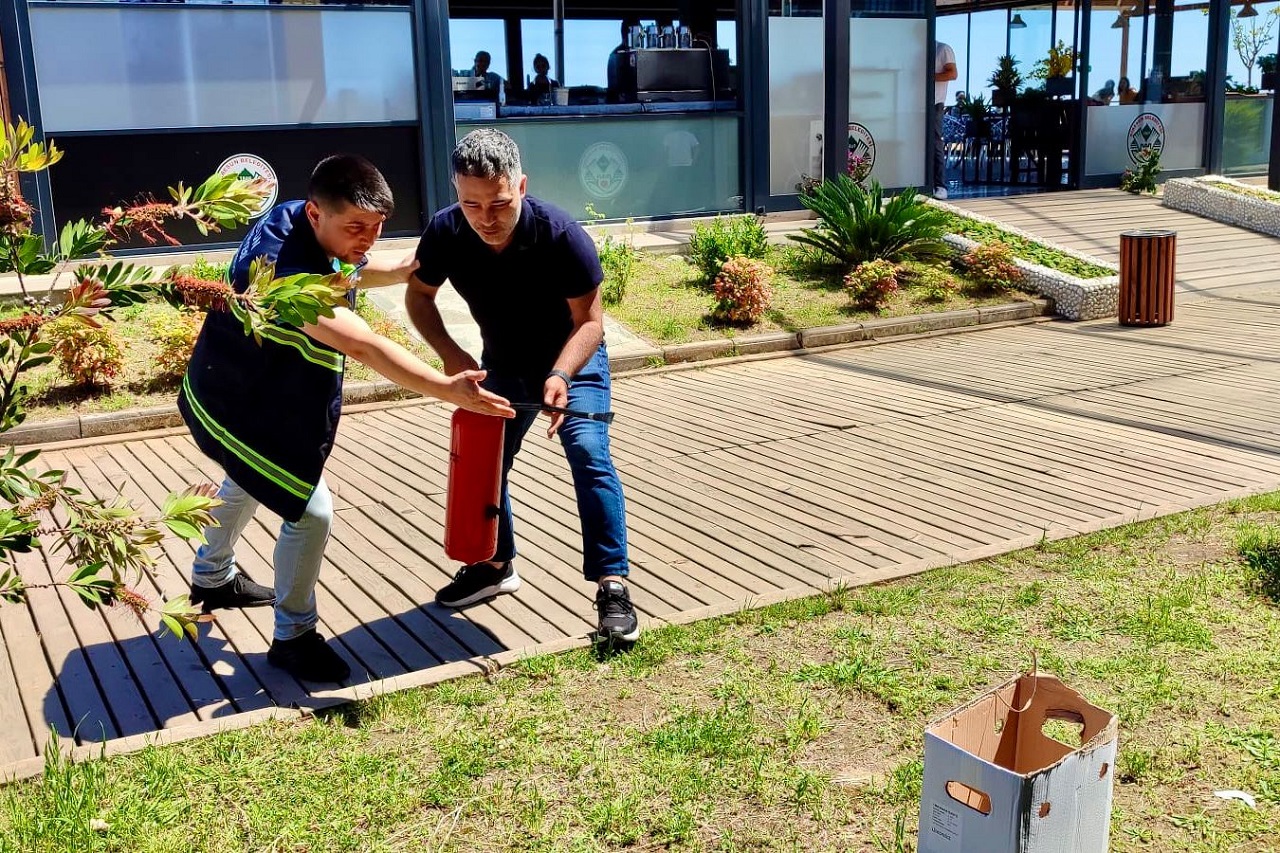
(603, 417)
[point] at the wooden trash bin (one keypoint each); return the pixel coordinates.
(1146, 277)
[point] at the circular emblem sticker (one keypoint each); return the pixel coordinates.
(603, 170)
(1146, 137)
(250, 167)
(862, 151)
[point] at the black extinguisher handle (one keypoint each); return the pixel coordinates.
(602, 417)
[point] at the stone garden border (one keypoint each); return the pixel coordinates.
(1200, 197)
(1073, 298)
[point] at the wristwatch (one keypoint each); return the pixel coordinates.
(568, 380)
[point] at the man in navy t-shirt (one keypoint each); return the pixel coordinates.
(531, 278)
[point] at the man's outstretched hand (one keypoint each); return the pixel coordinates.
(465, 391)
(555, 393)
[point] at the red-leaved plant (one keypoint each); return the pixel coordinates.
(742, 291)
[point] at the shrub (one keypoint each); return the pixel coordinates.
(742, 290)
(1143, 179)
(202, 269)
(1259, 549)
(175, 335)
(991, 267)
(618, 260)
(934, 284)
(871, 282)
(87, 355)
(856, 224)
(726, 237)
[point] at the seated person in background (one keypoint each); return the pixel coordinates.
(962, 100)
(1126, 93)
(540, 88)
(1103, 96)
(492, 81)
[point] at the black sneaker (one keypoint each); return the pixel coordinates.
(617, 615)
(309, 658)
(240, 591)
(478, 582)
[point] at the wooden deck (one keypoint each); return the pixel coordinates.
(746, 483)
(1213, 259)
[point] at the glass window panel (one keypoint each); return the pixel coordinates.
(796, 101)
(953, 30)
(1246, 136)
(1166, 54)
(469, 36)
(987, 43)
(631, 166)
(121, 67)
(537, 36)
(1028, 44)
(887, 60)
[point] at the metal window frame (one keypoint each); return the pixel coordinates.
(435, 103)
(24, 102)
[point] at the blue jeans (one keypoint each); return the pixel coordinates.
(586, 445)
(299, 550)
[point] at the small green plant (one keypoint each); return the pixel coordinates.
(618, 257)
(203, 270)
(991, 267)
(1143, 178)
(1028, 250)
(723, 238)
(175, 335)
(742, 291)
(871, 282)
(933, 284)
(88, 355)
(857, 224)
(1259, 548)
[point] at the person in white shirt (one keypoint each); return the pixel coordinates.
(944, 71)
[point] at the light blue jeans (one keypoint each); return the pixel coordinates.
(601, 506)
(299, 550)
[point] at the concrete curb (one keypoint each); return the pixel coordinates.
(1200, 197)
(767, 343)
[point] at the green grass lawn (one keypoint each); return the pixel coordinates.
(796, 727)
(138, 386)
(667, 303)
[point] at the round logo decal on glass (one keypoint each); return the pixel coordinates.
(1146, 137)
(602, 170)
(862, 151)
(250, 167)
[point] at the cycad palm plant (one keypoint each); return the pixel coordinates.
(856, 225)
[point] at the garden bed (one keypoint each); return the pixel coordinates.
(1226, 200)
(1081, 287)
(666, 301)
(140, 382)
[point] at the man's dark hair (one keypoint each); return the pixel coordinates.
(352, 179)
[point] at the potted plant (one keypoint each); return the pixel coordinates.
(979, 114)
(1268, 65)
(1056, 70)
(1005, 81)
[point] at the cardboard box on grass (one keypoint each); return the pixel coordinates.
(995, 783)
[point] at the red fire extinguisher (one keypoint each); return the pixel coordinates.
(475, 479)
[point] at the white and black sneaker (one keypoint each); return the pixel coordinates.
(618, 620)
(479, 582)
